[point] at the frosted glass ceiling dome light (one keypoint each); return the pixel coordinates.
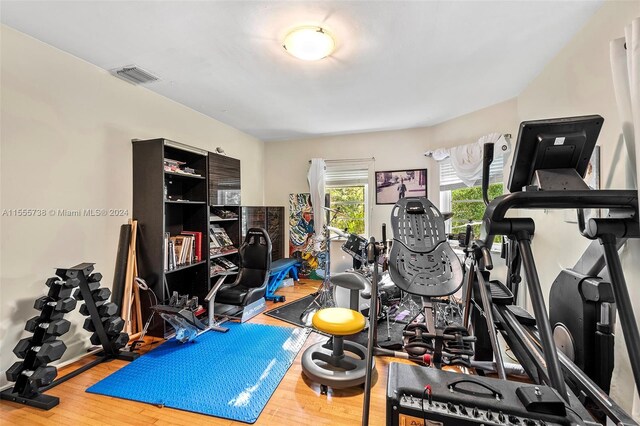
(309, 43)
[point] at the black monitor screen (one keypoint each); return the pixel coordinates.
(559, 143)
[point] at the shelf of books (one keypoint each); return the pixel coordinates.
(170, 192)
(224, 239)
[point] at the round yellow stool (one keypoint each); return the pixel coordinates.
(336, 363)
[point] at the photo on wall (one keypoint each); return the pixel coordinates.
(396, 184)
(301, 237)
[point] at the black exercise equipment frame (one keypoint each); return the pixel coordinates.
(607, 231)
(31, 396)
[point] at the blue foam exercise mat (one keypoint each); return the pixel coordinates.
(230, 375)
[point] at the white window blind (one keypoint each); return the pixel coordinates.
(348, 172)
(450, 181)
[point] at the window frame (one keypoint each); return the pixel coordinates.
(365, 203)
(446, 195)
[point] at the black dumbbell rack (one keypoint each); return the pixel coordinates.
(33, 376)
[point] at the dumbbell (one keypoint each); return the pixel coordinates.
(53, 327)
(45, 353)
(121, 341)
(96, 277)
(41, 376)
(60, 289)
(112, 325)
(93, 285)
(98, 294)
(65, 305)
(105, 309)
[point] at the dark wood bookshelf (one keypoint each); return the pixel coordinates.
(173, 202)
(156, 215)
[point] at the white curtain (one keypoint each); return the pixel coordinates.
(316, 178)
(466, 160)
(625, 66)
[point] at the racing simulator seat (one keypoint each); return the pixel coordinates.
(244, 298)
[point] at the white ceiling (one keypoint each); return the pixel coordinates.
(397, 64)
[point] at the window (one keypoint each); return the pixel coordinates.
(465, 202)
(350, 201)
(347, 183)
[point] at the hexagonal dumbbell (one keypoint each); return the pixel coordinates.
(45, 353)
(65, 305)
(112, 325)
(105, 309)
(93, 285)
(42, 376)
(95, 339)
(101, 294)
(39, 377)
(14, 371)
(121, 341)
(96, 277)
(54, 327)
(60, 289)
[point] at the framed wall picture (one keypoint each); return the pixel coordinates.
(396, 184)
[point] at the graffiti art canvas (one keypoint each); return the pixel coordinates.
(302, 244)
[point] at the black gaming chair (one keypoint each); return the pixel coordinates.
(251, 281)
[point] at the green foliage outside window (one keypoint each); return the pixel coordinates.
(467, 206)
(350, 202)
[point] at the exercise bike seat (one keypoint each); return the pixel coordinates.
(421, 261)
(350, 281)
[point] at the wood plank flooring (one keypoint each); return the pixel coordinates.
(296, 401)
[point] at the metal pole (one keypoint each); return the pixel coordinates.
(373, 312)
(488, 315)
(542, 318)
(623, 302)
(467, 296)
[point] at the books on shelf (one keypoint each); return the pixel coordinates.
(223, 214)
(197, 243)
(219, 241)
(181, 250)
(175, 166)
(221, 264)
(222, 236)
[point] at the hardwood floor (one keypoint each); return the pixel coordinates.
(296, 400)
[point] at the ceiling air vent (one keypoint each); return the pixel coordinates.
(134, 74)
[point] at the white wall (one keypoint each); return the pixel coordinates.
(66, 143)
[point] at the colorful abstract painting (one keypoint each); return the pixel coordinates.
(302, 245)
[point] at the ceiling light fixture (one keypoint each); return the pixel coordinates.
(309, 43)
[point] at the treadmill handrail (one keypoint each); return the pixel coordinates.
(570, 199)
